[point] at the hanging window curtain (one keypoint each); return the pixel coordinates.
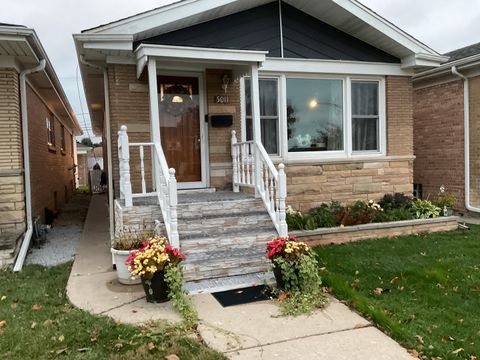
(365, 116)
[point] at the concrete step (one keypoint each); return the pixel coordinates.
(223, 264)
(213, 208)
(204, 242)
(223, 221)
(229, 283)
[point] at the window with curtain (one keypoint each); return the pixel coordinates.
(50, 132)
(268, 114)
(315, 115)
(365, 116)
(62, 139)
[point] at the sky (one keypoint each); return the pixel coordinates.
(444, 25)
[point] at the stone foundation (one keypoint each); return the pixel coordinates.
(141, 217)
(310, 185)
(335, 236)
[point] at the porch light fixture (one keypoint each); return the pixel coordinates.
(225, 82)
(177, 99)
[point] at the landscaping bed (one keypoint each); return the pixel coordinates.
(424, 290)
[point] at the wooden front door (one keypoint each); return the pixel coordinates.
(179, 105)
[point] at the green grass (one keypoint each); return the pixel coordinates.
(431, 288)
(58, 330)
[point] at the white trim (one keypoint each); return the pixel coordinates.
(202, 100)
(280, 21)
(446, 69)
(7, 62)
(200, 54)
(333, 67)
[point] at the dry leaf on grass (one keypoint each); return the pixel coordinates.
(3, 324)
(82, 350)
(36, 307)
(419, 339)
(378, 291)
(394, 280)
(458, 351)
(61, 351)
(282, 296)
(13, 306)
(172, 357)
(151, 346)
(414, 353)
(34, 325)
(361, 326)
(61, 338)
(47, 323)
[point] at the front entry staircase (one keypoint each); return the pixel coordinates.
(224, 236)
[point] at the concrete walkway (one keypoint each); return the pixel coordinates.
(93, 285)
(251, 331)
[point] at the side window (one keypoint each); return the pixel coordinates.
(50, 132)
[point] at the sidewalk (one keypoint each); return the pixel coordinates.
(244, 332)
(93, 285)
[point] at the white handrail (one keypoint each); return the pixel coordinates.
(272, 184)
(164, 180)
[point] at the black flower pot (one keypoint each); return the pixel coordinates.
(277, 271)
(156, 289)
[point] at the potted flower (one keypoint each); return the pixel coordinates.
(121, 248)
(151, 263)
(294, 265)
(445, 201)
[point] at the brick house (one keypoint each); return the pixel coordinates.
(298, 102)
(447, 128)
(37, 147)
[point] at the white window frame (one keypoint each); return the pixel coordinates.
(347, 153)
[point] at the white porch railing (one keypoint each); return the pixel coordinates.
(164, 181)
(271, 185)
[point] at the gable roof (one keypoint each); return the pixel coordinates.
(20, 48)
(349, 16)
(464, 52)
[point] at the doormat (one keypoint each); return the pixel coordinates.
(242, 296)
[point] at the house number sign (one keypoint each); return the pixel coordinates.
(221, 99)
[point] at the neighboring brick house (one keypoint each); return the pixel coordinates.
(33, 106)
(448, 152)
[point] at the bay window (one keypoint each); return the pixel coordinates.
(314, 117)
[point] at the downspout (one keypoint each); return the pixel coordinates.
(26, 161)
(109, 141)
(466, 111)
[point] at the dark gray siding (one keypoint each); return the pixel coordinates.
(259, 29)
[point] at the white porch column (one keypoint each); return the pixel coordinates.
(255, 96)
(154, 117)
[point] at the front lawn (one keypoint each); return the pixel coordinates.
(424, 291)
(37, 322)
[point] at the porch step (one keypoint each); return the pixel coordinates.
(229, 283)
(223, 264)
(212, 224)
(216, 207)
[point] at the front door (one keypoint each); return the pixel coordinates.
(180, 128)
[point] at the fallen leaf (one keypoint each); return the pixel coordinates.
(61, 338)
(3, 298)
(458, 351)
(151, 346)
(34, 325)
(455, 289)
(451, 338)
(420, 339)
(282, 296)
(13, 306)
(172, 357)
(118, 345)
(61, 351)
(394, 280)
(36, 307)
(134, 311)
(3, 324)
(47, 323)
(473, 357)
(378, 291)
(423, 253)
(414, 353)
(82, 350)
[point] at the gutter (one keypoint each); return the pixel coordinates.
(26, 160)
(466, 112)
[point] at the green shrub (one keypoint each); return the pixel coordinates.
(324, 216)
(299, 221)
(424, 209)
(445, 200)
(402, 214)
(395, 201)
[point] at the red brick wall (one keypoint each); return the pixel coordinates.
(51, 171)
(439, 139)
(475, 142)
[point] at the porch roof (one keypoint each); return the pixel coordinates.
(183, 54)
